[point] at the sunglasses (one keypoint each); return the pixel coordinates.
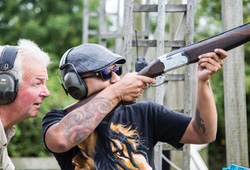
(106, 74)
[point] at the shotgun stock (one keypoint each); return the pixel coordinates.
(188, 55)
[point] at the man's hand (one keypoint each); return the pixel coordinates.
(131, 86)
(210, 63)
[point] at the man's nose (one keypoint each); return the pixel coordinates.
(45, 92)
(114, 78)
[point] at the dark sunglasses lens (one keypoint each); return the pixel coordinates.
(118, 70)
(106, 74)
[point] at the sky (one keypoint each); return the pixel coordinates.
(112, 7)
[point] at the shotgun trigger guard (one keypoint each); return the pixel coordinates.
(162, 76)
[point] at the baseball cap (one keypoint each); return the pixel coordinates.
(89, 58)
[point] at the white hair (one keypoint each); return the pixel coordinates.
(29, 49)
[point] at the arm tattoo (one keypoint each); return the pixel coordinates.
(81, 122)
(200, 121)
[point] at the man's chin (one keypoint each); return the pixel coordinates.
(34, 114)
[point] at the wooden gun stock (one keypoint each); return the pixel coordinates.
(79, 103)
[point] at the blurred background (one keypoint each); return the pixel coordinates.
(57, 26)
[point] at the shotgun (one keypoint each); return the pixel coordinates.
(188, 55)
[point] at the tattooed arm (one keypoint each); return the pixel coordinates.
(203, 126)
(77, 125)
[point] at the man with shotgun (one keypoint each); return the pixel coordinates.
(101, 132)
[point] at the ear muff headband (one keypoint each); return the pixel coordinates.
(73, 83)
(7, 58)
(8, 83)
(63, 63)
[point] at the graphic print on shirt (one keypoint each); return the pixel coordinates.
(120, 150)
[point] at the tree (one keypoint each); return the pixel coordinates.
(55, 26)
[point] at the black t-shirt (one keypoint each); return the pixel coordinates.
(126, 137)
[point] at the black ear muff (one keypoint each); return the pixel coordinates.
(73, 83)
(8, 83)
(75, 87)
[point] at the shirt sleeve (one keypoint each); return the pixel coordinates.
(64, 159)
(164, 124)
(52, 117)
(171, 125)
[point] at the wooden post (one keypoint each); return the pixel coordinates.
(102, 23)
(128, 34)
(175, 89)
(234, 90)
(190, 78)
(85, 21)
(159, 95)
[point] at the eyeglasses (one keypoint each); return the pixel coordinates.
(106, 74)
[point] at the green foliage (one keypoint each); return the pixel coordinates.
(28, 139)
(55, 26)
